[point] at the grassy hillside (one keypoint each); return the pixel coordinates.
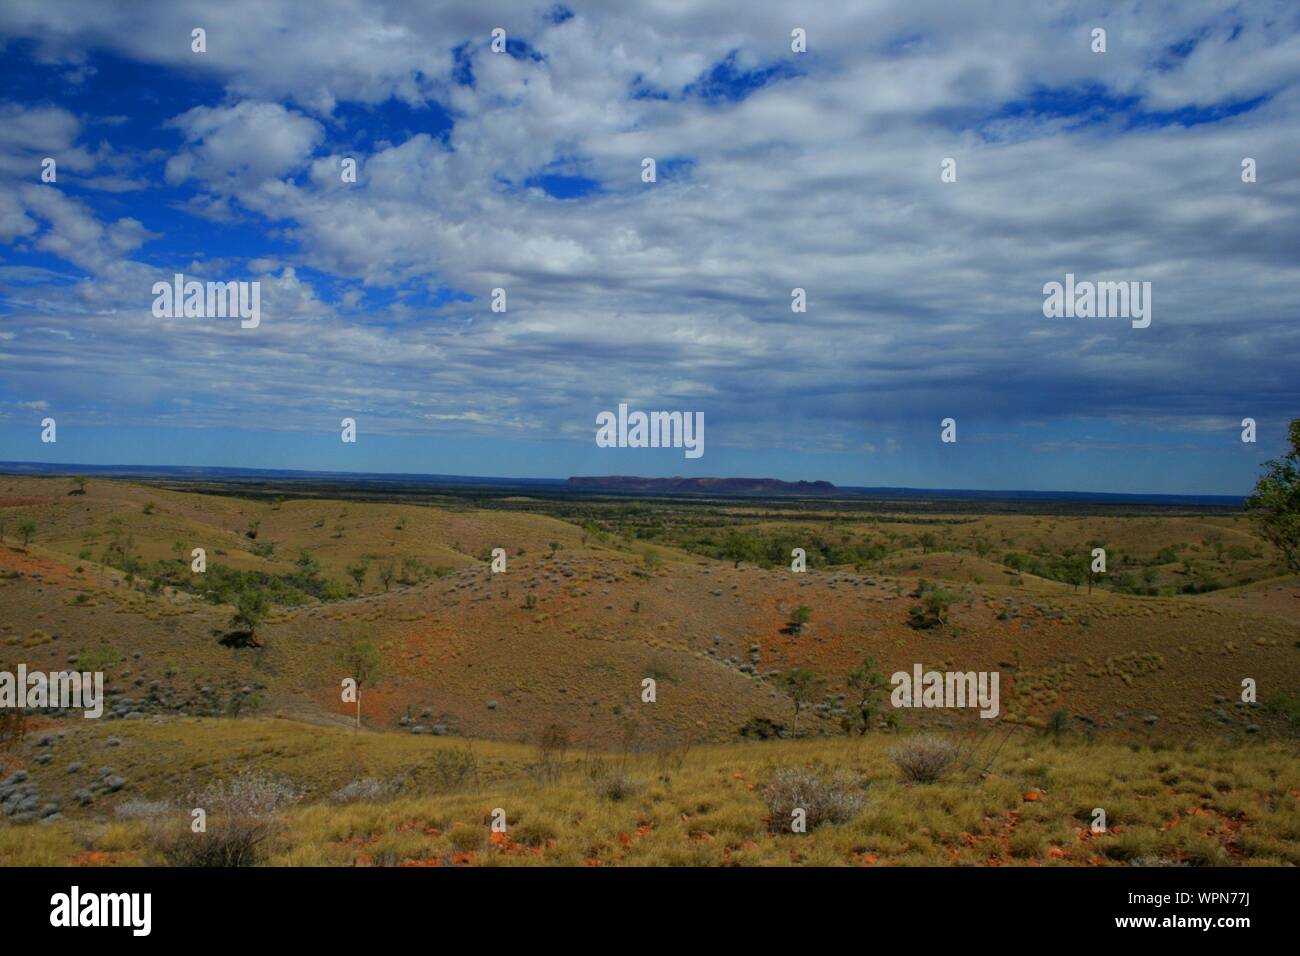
(1102, 687)
(1020, 801)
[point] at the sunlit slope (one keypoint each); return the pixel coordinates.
(426, 801)
(576, 624)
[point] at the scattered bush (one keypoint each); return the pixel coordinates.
(415, 571)
(933, 611)
(823, 795)
(446, 770)
(234, 842)
(250, 794)
(241, 818)
(554, 743)
(610, 782)
(762, 728)
(100, 658)
(137, 808)
(534, 832)
(366, 790)
(1286, 707)
(925, 758)
(465, 839)
(550, 752)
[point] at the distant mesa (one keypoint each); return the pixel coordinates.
(715, 486)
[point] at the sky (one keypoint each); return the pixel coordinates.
(523, 170)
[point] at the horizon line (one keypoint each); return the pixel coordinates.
(53, 469)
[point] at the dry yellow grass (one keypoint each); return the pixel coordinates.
(1198, 804)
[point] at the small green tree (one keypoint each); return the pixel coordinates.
(387, 573)
(362, 662)
(1274, 506)
(937, 603)
(867, 685)
(27, 531)
(739, 547)
(801, 685)
(933, 609)
(120, 550)
(250, 610)
(357, 571)
(799, 617)
(1073, 570)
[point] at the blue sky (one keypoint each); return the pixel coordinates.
(522, 170)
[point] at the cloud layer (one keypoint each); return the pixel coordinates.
(777, 170)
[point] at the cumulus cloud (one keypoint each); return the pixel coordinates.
(240, 147)
(28, 135)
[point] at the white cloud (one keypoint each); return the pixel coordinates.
(241, 146)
